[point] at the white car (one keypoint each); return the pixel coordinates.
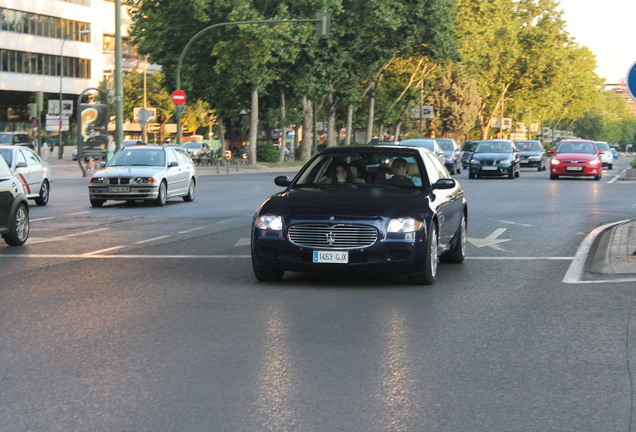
(607, 157)
(144, 173)
(33, 171)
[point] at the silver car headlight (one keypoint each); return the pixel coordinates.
(97, 180)
(403, 225)
(144, 180)
(269, 222)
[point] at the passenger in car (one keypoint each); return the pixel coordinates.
(340, 173)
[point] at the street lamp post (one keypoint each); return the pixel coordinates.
(60, 150)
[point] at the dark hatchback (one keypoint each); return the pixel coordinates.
(14, 210)
(372, 222)
(497, 157)
(532, 154)
(468, 148)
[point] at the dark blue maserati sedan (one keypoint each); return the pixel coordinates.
(362, 209)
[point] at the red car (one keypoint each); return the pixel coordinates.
(575, 158)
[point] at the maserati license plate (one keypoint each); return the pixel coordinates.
(331, 257)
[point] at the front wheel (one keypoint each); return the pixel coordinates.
(267, 274)
(427, 277)
(191, 191)
(162, 196)
(598, 177)
(43, 198)
(19, 231)
(97, 202)
(554, 177)
(457, 252)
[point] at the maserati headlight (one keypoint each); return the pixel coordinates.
(269, 222)
(403, 225)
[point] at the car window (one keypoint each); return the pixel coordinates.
(602, 146)
(31, 158)
(172, 157)
(5, 171)
(182, 157)
(5, 138)
(447, 145)
(434, 168)
(7, 155)
(528, 146)
(19, 157)
(576, 147)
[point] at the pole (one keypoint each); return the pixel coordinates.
(119, 98)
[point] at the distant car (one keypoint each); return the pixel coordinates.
(16, 138)
(533, 154)
(390, 226)
(195, 148)
(14, 210)
(452, 155)
(497, 157)
(378, 142)
(607, 157)
(575, 158)
(129, 143)
(147, 173)
(33, 171)
(468, 148)
(429, 144)
(615, 153)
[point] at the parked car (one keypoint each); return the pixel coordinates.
(16, 138)
(429, 144)
(33, 171)
(575, 158)
(468, 148)
(14, 210)
(452, 155)
(606, 155)
(533, 154)
(380, 224)
(196, 148)
(147, 173)
(496, 157)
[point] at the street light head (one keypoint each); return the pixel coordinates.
(84, 31)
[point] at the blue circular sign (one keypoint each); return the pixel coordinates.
(631, 80)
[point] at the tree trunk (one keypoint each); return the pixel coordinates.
(349, 132)
(281, 142)
(332, 134)
(253, 126)
(371, 115)
(222, 145)
(398, 130)
(308, 129)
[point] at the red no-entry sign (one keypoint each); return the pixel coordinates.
(178, 97)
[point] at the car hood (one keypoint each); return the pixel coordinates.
(347, 202)
(576, 156)
(527, 153)
(492, 156)
(128, 171)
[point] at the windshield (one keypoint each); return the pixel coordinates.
(5, 138)
(528, 146)
(494, 147)
(138, 157)
(192, 145)
(446, 145)
(602, 146)
(362, 170)
(470, 146)
(576, 147)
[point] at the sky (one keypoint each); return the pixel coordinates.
(608, 29)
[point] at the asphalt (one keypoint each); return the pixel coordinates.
(613, 254)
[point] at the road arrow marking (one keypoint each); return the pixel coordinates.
(490, 241)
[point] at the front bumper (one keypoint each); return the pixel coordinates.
(491, 170)
(132, 193)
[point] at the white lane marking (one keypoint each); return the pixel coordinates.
(104, 250)
(42, 219)
(577, 267)
(515, 223)
(122, 256)
(486, 258)
(65, 237)
(78, 213)
(192, 230)
(152, 239)
(490, 241)
(243, 241)
(616, 177)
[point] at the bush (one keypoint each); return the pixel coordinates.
(266, 152)
(633, 164)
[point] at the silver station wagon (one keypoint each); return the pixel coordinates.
(145, 173)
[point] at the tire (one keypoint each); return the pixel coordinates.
(511, 174)
(45, 191)
(539, 168)
(19, 231)
(598, 177)
(97, 202)
(459, 169)
(610, 166)
(191, 191)
(457, 253)
(162, 196)
(267, 274)
(427, 277)
(471, 175)
(554, 177)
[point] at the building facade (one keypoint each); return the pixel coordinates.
(56, 47)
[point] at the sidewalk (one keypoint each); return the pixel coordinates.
(616, 251)
(66, 168)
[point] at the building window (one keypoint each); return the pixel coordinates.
(42, 25)
(43, 64)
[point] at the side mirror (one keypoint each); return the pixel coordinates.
(21, 165)
(551, 151)
(173, 164)
(445, 183)
(283, 181)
